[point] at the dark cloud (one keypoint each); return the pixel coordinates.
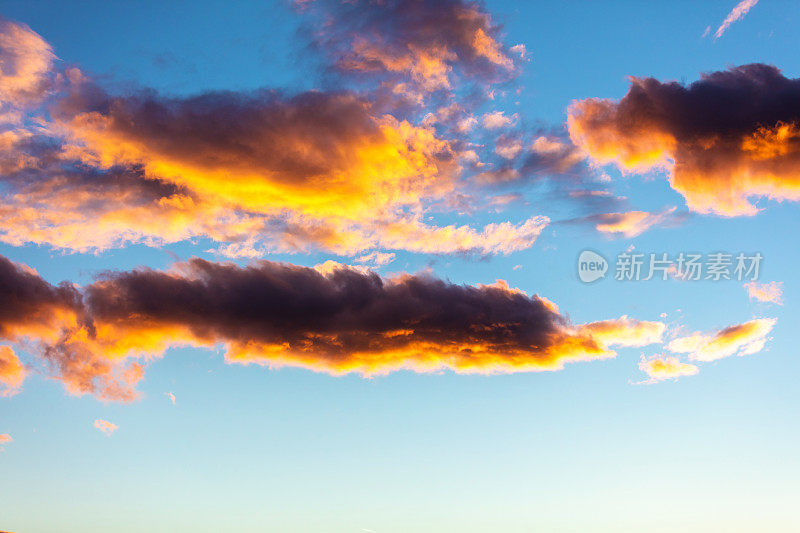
(729, 137)
(424, 43)
(296, 138)
(330, 318)
(88, 168)
(31, 306)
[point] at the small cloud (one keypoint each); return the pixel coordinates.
(736, 13)
(740, 339)
(508, 147)
(765, 292)
(5, 438)
(517, 267)
(520, 50)
(12, 372)
(171, 397)
(666, 367)
(551, 154)
(376, 258)
(497, 120)
(631, 223)
(105, 426)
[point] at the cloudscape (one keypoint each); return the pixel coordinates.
(401, 265)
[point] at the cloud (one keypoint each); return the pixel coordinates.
(496, 120)
(256, 172)
(320, 166)
(33, 308)
(625, 331)
(666, 367)
(5, 438)
(740, 339)
(765, 292)
(105, 426)
(12, 372)
(333, 318)
(553, 155)
(508, 146)
(495, 238)
(631, 223)
(376, 258)
(25, 64)
(344, 320)
(425, 43)
(45, 316)
(737, 13)
(171, 397)
(730, 137)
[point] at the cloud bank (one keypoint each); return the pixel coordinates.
(332, 318)
(85, 169)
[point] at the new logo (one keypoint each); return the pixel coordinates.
(591, 266)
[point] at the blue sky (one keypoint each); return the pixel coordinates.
(590, 447)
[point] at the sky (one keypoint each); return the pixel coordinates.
(323, 266)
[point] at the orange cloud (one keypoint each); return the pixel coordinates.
(428, 44)
(25, 66)
(332, 318)
(625, 331)
(105, 426)
(12, 372)
(51, 320)
(740, 339)
(765, 292)
(666, 367)
(5, 438)
(256, 172)
(411, 322)
(33, 308)
(314, 160)
(726, 139)
(630, 223)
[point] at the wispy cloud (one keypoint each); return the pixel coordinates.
(741, 339)
(771, 292)
(105, 426)
(631, 223)
(736, 13)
